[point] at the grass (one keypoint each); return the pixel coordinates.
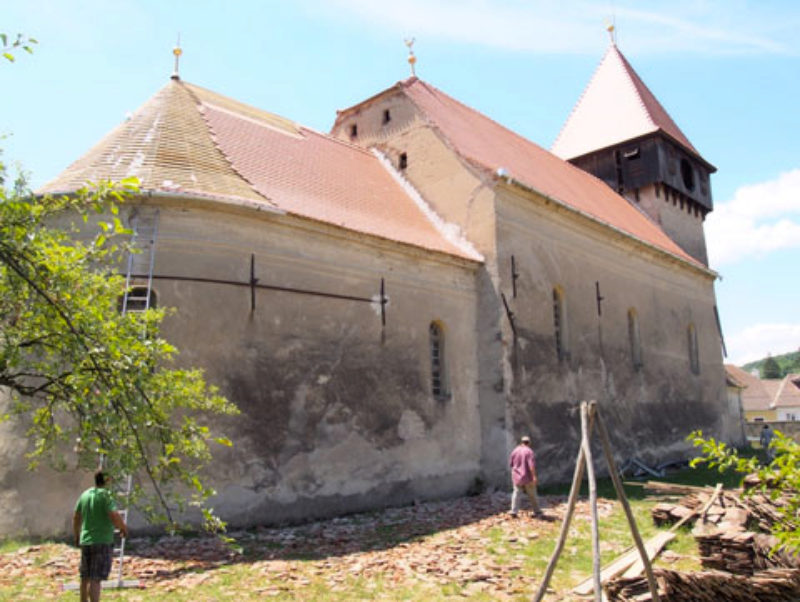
(518, 551)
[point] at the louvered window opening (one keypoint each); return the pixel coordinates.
(438, 375)
(558, 323)
(694, 353)
(635, 339)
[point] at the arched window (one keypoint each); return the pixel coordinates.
(560, 323)
(137, 298)
(635, 339)
(694, 356)
(439, 386)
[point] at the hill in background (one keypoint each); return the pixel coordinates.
(788, 363)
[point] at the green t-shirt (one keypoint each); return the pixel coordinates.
(96, 526)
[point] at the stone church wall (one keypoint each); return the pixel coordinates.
(650, 402)
(337, 413)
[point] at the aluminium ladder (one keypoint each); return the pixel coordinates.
(137, 297)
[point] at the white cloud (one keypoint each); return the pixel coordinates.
(761, 218)
(577, 27)
(755, 342)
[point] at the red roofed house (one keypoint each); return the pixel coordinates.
(767, 399)
(393, 304)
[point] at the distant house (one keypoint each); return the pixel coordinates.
(766, 400)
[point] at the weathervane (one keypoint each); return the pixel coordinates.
(177, 52)
(411, 58)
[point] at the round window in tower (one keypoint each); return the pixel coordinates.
(687, 174)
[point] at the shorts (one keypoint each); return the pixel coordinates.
(96, 561)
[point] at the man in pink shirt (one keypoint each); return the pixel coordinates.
(523, 475)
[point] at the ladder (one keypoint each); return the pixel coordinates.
(137, 297)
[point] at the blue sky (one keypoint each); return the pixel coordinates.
(727, 71)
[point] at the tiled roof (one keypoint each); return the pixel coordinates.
(188, 140)
(166, 144)
(615, 106)
(768, 393)
(490, 146)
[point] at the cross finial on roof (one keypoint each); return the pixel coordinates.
(177, 52)
(411, 58)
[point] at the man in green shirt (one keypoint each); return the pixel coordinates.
(93, 525)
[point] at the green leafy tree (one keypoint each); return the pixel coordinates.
(780, 479)
(86, 380)
(770, 368)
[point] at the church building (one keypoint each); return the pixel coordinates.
(393, 304)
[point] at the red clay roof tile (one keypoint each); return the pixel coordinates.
(488, 144)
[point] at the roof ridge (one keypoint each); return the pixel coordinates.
(474, 110)
(779, 392)
(632, 82)
(580, 99)
(642, 89)
(212, 134)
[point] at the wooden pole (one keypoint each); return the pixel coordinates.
(612, 467)
(562, 537)
(586, 443)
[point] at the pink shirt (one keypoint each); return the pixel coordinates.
(523, 465)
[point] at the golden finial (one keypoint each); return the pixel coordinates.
(610, 28)
(177, 52)
(411, 58)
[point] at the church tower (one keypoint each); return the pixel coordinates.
(619, 132)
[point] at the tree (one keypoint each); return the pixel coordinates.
(85, 378)
(770, 368)
(780, 479)
(18, 42)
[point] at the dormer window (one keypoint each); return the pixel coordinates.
(353, 131)
(387, 116)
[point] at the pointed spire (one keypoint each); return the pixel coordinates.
(411, 58)
(615, 106)
(177, 52)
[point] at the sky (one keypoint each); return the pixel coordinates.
(727, 71)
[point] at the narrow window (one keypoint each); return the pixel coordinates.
(560, 323)
(403, 161)
(353, 131)
(387, 116)
(687, 175)
(694, 357)
(137, 299)
(635, 340)
(438, 366)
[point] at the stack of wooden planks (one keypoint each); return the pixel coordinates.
(776, 585)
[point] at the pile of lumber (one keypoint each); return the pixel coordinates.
(766, 556)
(728, 528)
(776, 585)
(727, 551)
(762, 510)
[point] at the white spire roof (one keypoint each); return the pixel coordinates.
(616, 106)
